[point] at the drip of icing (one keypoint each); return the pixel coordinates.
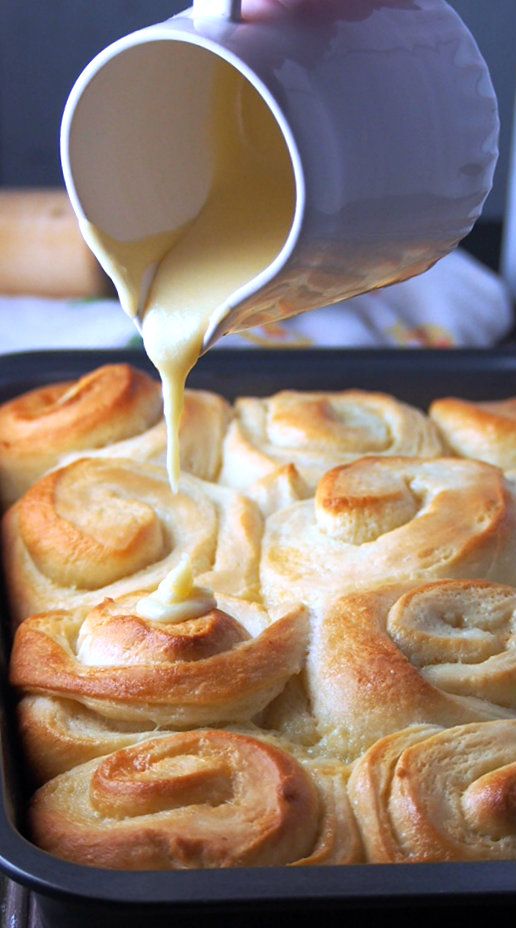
(176, 599)
(180, 280)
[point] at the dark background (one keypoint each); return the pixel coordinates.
(44, 44)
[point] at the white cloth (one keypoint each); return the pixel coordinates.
(458, 303)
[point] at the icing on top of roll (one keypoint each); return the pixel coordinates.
(177, 598)
(190, 273)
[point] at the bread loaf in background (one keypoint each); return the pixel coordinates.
(42, 251)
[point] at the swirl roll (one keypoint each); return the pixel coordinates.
(484, 431)
(103, 527)
(57, 734)
(202, 428)
(138, 673)
(199, 800)
(114, 411)
(390, 520)
(443, 653)
(185, 801)
(424, 794)
(112, 404)
(316, 431)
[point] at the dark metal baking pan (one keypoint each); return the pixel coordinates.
(71, 896)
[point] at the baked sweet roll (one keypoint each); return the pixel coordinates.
(104, 527)
(116, 411)
(203, 425)
(133, 674)
(194, 800)
(316, 431)
(112, 404)
(387, 520)
(484, 431)
(427, 794)
(442, 653)
(57, 734)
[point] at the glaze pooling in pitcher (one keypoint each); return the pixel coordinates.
(371, 157)
(241, 226)
(387, 110)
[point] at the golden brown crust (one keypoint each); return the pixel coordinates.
(484, 431)
(191, 800)
(419, 675)
(75, 546)
(201, 671)
(202, 428)
(316, 431)
(103, 527)
(115, 411)
(424, 794)
(442, 653)
(57, 734)
(379, 521)
(111, 404)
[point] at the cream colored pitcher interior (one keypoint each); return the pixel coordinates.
(239, 230)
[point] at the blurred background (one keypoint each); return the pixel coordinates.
(44, 45)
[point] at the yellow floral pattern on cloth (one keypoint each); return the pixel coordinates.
(277, 335)
(281, 335)
(457, 303)
(421, 336)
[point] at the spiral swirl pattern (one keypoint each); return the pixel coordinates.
(316, 431)
(484, 431)
(201, 799)
(380, 521)
(112, 404)
(57, 734)
(424, 794)
(442, 653)
(102, 527)
(185, 801)
(403, 665)
(462, 636)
